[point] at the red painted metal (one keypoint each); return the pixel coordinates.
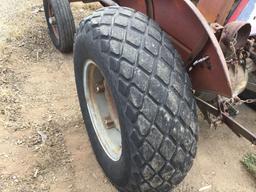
(139, 5)
(182, 26)
(238, 10)
(215, 11)
(193, 38)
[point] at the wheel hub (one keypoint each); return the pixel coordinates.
(102, 110)
(52, 21)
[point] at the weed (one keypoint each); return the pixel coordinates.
(249, 161)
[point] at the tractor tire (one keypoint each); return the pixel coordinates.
(60, 23)
(152, 94)
(249, 94)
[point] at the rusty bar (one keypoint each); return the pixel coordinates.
(237, 128)
(210, 108)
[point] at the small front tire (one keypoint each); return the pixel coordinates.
(60, 23)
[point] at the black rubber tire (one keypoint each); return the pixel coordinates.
(153, 95)
(103, 4)
(65, 24)
(248, 94)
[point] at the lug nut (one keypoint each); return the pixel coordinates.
(109, 122)
(52, 20)
(100, 88)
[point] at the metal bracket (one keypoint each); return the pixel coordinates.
(237, 128)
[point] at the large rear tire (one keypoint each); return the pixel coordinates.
(60, 23)
(151, 92)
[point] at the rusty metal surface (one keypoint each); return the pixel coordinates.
(193, 38)
(183, 26)
(237, 128)
(237, 31)
(217, 29)
(139, 5)
(233, 38)
(215, 11)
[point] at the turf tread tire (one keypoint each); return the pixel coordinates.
(154, 93)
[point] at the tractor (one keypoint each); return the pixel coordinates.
(143, 67)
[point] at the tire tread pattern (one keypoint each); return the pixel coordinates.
(157, 94)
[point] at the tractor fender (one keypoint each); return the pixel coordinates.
(193, 38)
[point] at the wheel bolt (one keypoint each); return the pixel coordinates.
(100, 88)
(109, 122)
(52, 20)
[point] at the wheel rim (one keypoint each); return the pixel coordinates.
(52, 21)
(102, 110)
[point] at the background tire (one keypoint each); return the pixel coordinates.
(248, 94)
(153, 95)
(60, 23)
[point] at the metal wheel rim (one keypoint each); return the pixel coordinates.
(102, 110)
(52, 21)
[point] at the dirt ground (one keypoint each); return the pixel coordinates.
(43, 143)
